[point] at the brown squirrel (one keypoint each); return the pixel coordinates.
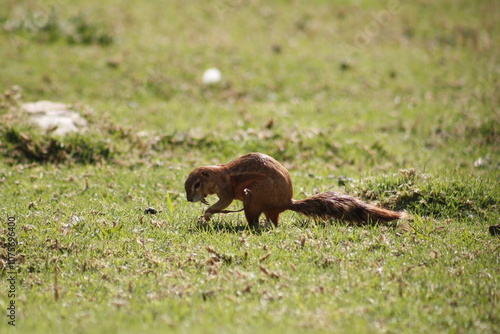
(265, 186)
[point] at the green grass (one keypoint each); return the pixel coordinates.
(402, 112)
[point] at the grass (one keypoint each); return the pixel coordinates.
(402, 112)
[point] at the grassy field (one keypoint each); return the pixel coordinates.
(395, 102)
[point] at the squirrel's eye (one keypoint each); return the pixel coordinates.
(197, 184)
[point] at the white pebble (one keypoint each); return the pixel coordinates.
(212, 76)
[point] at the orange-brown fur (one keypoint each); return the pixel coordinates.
(265, 186)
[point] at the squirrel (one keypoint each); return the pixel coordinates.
(265, 186)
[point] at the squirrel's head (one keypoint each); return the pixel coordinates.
(197, 185)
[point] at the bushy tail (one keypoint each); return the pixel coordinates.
(338, 206)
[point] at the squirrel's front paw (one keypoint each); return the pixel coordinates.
(207, 216)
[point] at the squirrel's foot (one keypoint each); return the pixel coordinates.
(206, 217)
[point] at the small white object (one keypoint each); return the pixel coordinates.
(212, 76)
(75, 220)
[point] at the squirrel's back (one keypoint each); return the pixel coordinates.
(259, 163)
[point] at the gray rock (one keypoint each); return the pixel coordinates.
(56, 117)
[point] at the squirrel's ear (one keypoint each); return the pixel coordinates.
(204, 173)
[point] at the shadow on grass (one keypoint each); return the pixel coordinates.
(223, 226)
(238, 227)
(329, 223)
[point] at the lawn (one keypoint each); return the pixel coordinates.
(394, 102)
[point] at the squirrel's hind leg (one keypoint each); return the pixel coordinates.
(273, 216)
(252, 217)
(252, 213)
